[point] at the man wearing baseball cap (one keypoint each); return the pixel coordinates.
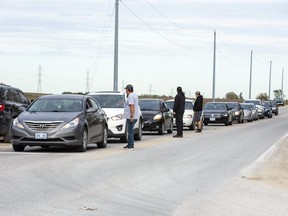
(131, 112)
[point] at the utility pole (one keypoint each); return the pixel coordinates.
(115, 86)
(214, 67)
(39, 88)
(270, 80)
(282, 83)
(87, 81)
(250, 84)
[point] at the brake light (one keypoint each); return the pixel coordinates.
(2, 107)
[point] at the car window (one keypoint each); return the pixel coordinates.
(23, 98)
(170, 104)
(56, 105)
(149, 105)
(188, 105)
(110, 101)
(93, 103)
(14, 96)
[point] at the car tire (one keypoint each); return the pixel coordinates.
(84, 142)
(17, 148)
(104, 141)
(124, 138)
(192, 126)
(162, 129)
(138, 135)
(170, 130)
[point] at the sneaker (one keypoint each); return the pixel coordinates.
(178, 136)
(126, 147)
(198, 131)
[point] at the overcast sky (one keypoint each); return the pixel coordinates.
(162, 45)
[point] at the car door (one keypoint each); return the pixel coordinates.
(94, 120)
(166, 114)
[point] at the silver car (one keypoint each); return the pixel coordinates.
(61, 120)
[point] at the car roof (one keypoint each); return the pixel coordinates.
(106, 93)
(186, 100)
(78, 96)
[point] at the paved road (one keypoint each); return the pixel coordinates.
(163, 176)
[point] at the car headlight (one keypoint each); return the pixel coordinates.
(225, 114)
(16, 123)
(237, 113)
(117, 117)
(71, 124)
(157, 117)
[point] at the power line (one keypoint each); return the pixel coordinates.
(158, 33)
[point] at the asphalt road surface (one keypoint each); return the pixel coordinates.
(162, 176)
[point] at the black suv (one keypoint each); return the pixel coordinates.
(12, 103)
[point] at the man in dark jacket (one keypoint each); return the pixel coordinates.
(197, 108)
(178, 109)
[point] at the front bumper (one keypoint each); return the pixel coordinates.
(63, 137)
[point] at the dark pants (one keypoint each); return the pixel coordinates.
(131, 132)
(179, 123)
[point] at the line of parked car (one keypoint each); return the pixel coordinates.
(79, 120)
(249, 110)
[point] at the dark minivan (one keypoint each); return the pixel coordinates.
(12, 102)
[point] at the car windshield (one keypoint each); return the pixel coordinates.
(246, 106)
(149, 105)
(215, 106)
(110, 101)
(232, 105)
(266, 104)
(56, 105)
(256, 102)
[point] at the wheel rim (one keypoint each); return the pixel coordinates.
(105, 137)
(84, 139)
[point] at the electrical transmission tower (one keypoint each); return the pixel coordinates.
(39, 88)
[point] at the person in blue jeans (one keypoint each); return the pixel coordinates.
(131, 113)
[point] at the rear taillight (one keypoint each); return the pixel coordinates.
(2, 107)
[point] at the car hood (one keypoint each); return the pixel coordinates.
(48, 116)
(148, 113)
(110, 112)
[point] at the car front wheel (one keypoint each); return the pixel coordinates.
(104, 141)
(83, 146)
(138, 135)
(162, 129)
(17, 148)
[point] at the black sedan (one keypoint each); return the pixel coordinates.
(267, 109)
(61, 120)
(217, 112)
(157, 115)
(237, 111)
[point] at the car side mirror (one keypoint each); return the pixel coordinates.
(165, 109)
(92, 109)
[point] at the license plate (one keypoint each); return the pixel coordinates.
(212, 119)
(40, 135)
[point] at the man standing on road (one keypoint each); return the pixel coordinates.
(197, 108)
(131, 112)
(178, 109)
